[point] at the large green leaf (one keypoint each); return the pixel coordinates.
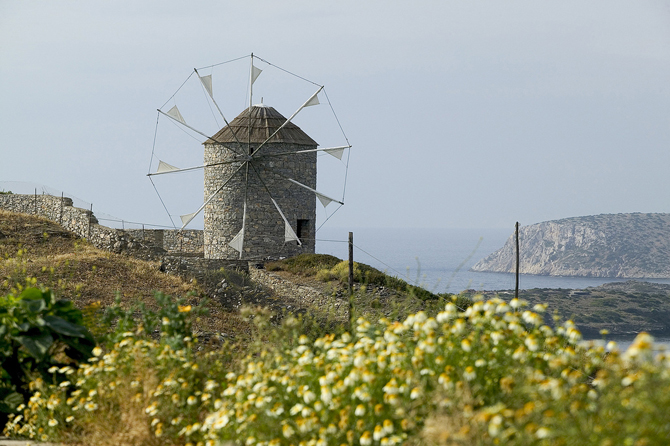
(60, 325)
(31, 294)
(37, 344)
(10, 402)
(80, 348)
(34, 305)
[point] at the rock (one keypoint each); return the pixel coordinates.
(608, 245)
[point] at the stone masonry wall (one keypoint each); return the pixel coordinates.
(302, 295)
(80, 221)
(141, 243)
(189, 241)
(264, 227)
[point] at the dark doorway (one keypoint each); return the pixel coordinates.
(303, 229)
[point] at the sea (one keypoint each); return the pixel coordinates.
(440, 259)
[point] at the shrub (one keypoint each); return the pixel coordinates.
(37, 332)
(492, 374)
(130, 380)
(304, 264)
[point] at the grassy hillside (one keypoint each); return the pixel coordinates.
(491, 375)
(38, 249)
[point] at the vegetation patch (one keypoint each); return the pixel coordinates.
(328, 268)
(494, 374)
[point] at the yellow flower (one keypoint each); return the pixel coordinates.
(53, 422)
(184, 308)
(287, 431)
(360, 410)
(90, 406)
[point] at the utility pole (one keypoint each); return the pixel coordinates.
(351, 281)
(516, 289)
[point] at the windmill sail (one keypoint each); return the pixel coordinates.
(289, 234)
(238, 241)
(186, 219)
(164, 167)
(337, 152)
(174, 113)
(207, 83)
(255, 72)
(325, 201)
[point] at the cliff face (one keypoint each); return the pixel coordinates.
(608, 245)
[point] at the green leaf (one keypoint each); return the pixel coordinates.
(37, 345)
(80, 348)
(13, 400)
(60, 325)
(34, 305)
(31, 294)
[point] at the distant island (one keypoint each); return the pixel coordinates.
(633, 245)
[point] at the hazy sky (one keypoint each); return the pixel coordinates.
(460, 113)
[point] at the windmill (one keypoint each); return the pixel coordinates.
(259, 172)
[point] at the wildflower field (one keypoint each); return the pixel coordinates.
(492, 374)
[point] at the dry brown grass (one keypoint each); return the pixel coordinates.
(125, 421)
(35, 247)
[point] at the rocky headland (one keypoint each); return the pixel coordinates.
(608, 245)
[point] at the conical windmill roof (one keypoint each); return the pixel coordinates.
(265, 121)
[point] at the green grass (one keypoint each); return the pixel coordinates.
(327, 267)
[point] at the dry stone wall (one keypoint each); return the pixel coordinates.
(172, 241)
(179, 253)
(81, 222)
(302, 295)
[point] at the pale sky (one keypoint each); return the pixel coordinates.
(461, 113)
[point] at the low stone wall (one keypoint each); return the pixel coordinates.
(81, 222)
(189, 241)
(302, 295)
(195, 265)
(186, 241)
(151, 244)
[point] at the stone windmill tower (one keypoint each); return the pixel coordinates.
(259, 178)
(260, 212)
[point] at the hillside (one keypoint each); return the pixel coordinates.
(608, 245)
(37, 248)
(34, 247)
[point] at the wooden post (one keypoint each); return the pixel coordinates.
(90, 215)
(516, 289)
(351, 281)
(35, 201)
(62, 198)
